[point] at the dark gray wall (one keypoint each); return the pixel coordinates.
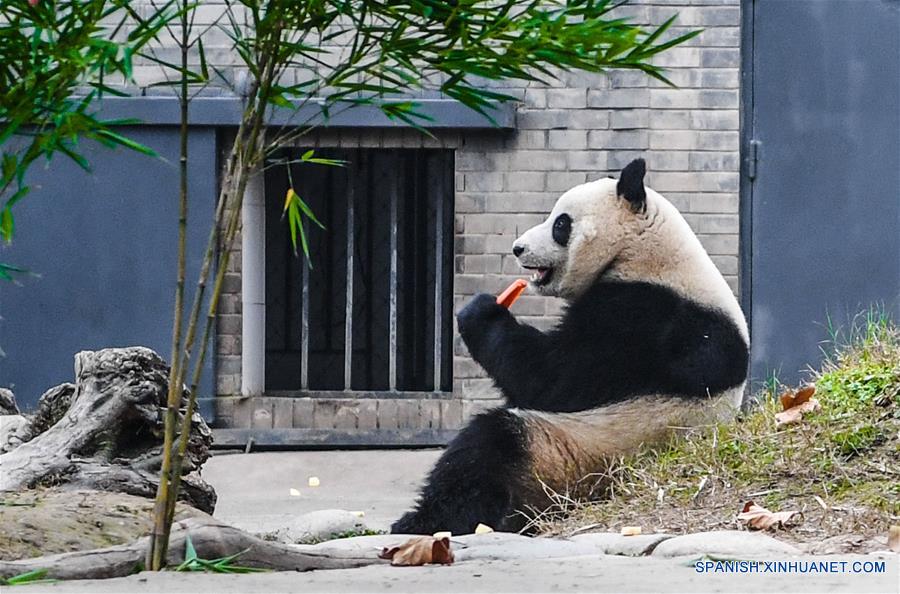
(822, 216)
(104, 245)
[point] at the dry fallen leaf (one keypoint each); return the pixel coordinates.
(631, 530)
(792, 399)
(794, 404)
(483, 529)
(894, 539)
(759, 518)
(419, 550)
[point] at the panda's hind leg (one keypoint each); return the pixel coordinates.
(476, 480)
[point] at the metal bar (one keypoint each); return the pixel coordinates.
(348, 312)
(304, 327)
(359, 394)
(392, 361)
(438, 282)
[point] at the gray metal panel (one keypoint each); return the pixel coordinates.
(826, 197)
(226, 111)
(104, 245)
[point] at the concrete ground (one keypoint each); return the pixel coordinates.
(599, 573)
(254, 489)
(254, 494)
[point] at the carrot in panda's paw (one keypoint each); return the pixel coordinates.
(511, 293)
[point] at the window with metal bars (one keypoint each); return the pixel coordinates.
(373, 311)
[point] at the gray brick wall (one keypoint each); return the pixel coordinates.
(578, 128)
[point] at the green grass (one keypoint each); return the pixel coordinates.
(36, 576)
(192, 562)
(346, 534)
(847, 455)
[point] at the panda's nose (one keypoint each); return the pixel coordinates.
(517, 250)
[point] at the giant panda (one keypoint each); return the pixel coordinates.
(652, 339)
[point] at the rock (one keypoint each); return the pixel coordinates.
(318, 526)
(613, 543)
(8, 404)
(14, 431)
(505, 545)
(369, 542)
(726, 543)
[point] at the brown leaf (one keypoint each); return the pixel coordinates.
(795, 413)
(794, 404)
(791, 399)
(759, 518)
(894, 539)
(419, 550)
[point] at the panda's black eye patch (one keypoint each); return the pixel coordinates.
(562, 228)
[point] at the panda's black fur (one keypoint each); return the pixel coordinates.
(618, 340)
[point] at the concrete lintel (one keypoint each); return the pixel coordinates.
(226, 111)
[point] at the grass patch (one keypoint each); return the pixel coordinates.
(840, 466)
(360, 531)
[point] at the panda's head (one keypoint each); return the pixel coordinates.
(587, 231)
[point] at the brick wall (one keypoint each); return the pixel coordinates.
(575, 129)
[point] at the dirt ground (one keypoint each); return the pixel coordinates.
(48, 521)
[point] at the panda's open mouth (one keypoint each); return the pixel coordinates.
(539, 275)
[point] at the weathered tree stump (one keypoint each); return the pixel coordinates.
(8, 404)
(105, 431)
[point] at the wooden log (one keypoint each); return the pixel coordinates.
(211, 539)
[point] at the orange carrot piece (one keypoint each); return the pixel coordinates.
(512, 292)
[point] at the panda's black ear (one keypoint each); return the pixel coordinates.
(631, 185)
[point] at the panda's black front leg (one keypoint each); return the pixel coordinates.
(514, 355)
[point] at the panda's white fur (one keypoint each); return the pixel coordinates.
(656, 244)
(653, 341)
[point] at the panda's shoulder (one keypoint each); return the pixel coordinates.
(619, 298)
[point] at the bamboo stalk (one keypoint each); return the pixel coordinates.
(247, 156)
(245, 152)
(156, 553)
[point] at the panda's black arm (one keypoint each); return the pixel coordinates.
(514, 355)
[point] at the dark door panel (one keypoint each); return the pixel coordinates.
(104, 247)
(825, 202)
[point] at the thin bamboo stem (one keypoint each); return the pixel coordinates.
(157, 551)
(250, 153)
(245, 152)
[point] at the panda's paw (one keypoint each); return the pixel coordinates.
(482, 308)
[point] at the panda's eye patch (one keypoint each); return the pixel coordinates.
(562, 228)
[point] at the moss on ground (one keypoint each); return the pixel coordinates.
(839, 466)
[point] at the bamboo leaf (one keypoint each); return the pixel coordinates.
(7, 225)
(190, 553)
